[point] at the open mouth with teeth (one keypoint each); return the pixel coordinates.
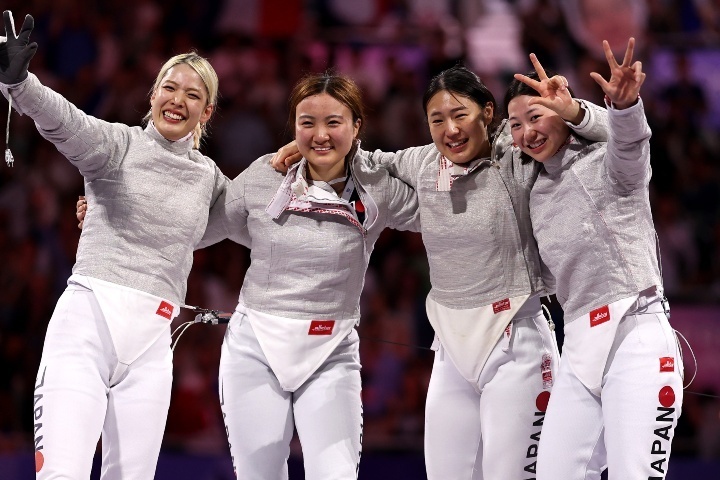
(173, 117)
(457, 145)
(322, 149)
(536, 145)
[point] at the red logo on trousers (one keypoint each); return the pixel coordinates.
(165, 310)
(502, 305)
(666, 396)
(39, 461)
(321, 327)
(541, 402)
(667, 364)
(600, 315)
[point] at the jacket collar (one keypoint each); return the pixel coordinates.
(184, 145)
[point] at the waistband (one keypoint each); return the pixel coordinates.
(649, 301)
(530, 309)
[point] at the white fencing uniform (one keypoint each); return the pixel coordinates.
(507, 403)
(83, 390)
(631, 427)
(290, 355)
(106, 364)
(259, 415)
(482, 415)
(619, 390)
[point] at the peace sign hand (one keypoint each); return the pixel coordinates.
(623, 89)
(554, 93)
(15, 51)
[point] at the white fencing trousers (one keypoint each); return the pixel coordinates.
(490, 430)
(630, 426)
(75, 400)
(259, 415)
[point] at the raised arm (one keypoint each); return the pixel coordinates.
(628, 151)
(90, 144)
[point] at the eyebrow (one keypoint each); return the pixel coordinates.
(529, 110)
(453, 110)
(328, 117)
(174, 83)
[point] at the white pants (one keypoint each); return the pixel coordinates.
(630, 427)
(490, 430)
(76, 401)
(259, 415)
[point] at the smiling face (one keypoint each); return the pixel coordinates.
(537, 130)
(324, 132)
(458, 126)
(179, 103)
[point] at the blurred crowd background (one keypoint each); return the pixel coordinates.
(103, 56)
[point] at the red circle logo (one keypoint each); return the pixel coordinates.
(666, 396)
(39, 461)
(541, 402)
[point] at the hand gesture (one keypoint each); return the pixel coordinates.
(81, 210)
(554, 93)
(15, 51)
(286, 156)
(623, 88)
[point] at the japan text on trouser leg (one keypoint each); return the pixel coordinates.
(259, 415)
(630, 428)
(493, 434)
(75, 402)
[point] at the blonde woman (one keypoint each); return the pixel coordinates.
(106, 367)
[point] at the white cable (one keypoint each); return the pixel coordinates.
(551, 324)
(182, 329)
(682, 357)
(8, 154)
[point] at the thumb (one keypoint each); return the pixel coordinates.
(600, 81)
(542, 101)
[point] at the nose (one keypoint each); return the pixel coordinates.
(321, 135)
(452, 128)
(529, 133)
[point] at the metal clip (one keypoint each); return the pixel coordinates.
(666, 306)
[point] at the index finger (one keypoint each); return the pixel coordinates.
(9, 23)
(609, 55)
(538, 67)
(534, 84)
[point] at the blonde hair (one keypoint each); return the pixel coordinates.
(207, 75)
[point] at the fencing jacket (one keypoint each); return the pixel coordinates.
(308, 264)
(591, 216)
(150, 197)
(478, 235)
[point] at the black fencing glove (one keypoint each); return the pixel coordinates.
(15, 51)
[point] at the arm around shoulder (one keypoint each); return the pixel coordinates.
(403, 208)
(403, 164)
(228, 215)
